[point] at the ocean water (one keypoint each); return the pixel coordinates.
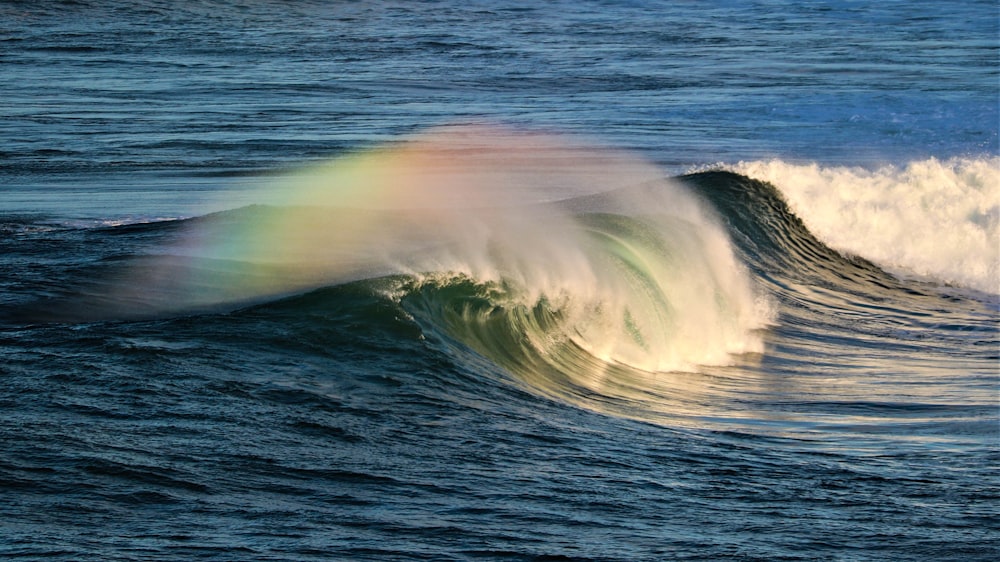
(499, 281)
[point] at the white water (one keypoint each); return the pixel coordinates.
(937, 219)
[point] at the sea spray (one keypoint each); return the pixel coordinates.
(631, 268)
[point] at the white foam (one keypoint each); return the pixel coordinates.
(937, 219)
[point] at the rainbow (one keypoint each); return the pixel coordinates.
(369, 212)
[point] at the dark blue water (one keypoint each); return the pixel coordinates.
(770, 330)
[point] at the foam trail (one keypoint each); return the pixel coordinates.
(937, 219)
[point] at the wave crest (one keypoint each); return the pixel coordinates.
(937, 219)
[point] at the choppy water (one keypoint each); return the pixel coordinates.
(702, 280)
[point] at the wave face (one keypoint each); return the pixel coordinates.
(611, 297)
(935, 219)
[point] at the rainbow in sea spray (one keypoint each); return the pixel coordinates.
(546, 254)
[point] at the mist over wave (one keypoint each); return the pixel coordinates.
(937, 219)
(592, 256)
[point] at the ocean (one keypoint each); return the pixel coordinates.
(479, 280)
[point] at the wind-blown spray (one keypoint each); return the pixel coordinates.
(588, 255)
